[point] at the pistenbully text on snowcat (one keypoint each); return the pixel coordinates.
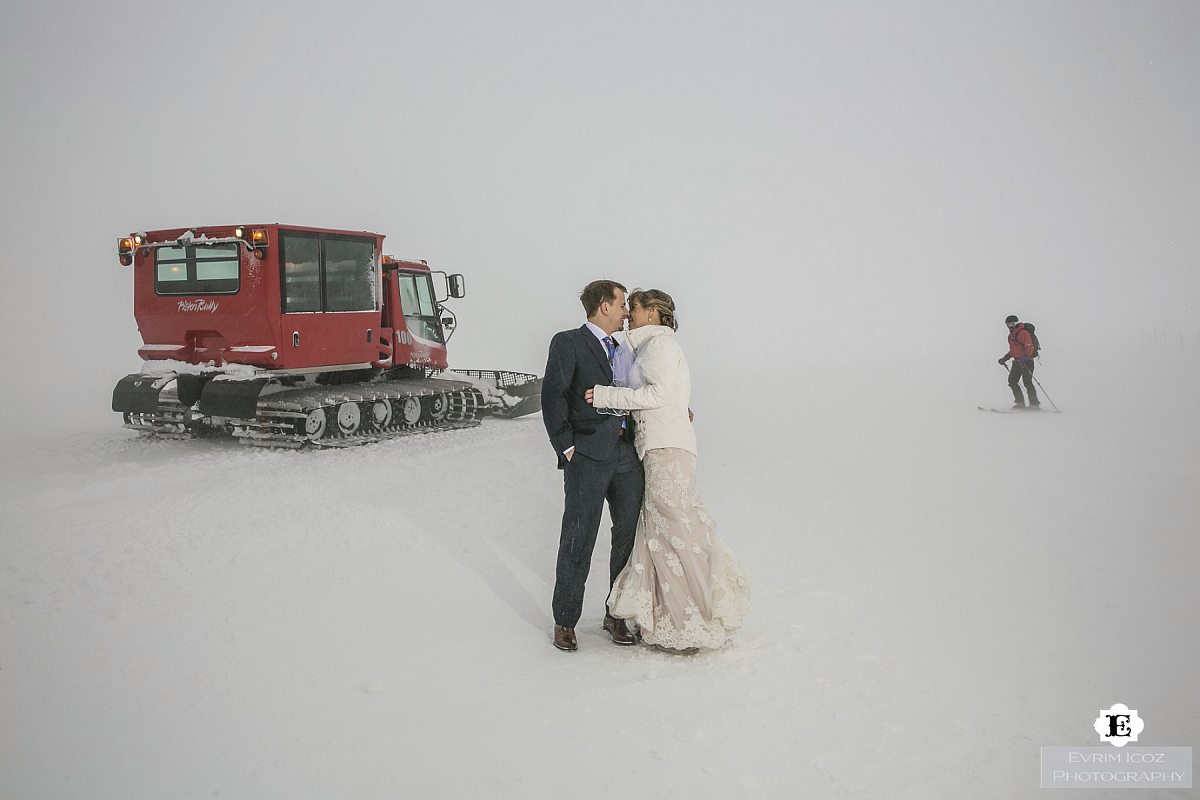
(289, 336)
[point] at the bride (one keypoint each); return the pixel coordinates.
(682, 587)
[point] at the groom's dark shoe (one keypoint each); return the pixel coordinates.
(618, 630)
(564, 638)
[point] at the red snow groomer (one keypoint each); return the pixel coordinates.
(288, 336)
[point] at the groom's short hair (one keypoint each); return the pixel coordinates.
(598, 292)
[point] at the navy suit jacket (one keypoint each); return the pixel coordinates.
(576, 363)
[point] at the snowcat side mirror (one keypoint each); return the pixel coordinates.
(458, 286)
(441, 287)
(448, 320)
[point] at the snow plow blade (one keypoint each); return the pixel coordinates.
(507, 394)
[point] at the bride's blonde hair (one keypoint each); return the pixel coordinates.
(658, 300)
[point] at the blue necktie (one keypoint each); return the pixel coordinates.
(611, 347)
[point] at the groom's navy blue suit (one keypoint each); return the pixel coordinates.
(603, 466)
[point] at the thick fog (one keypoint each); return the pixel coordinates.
(845, 198)
(812, 181)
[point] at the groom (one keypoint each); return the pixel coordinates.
(595, 452)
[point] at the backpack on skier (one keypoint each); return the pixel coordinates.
(1037, 347)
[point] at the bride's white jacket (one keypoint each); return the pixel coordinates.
(660, 403)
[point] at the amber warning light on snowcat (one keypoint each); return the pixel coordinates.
(256, 238)
(125, 250)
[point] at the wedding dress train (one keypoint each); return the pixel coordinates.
(682, 586)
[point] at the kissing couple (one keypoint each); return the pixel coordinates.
(618, 417)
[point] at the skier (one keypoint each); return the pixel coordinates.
(1021, 349)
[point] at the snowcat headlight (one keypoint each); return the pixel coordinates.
(139, 239)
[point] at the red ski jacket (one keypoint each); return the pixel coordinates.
(1020, 343)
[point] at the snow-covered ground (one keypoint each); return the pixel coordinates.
(938, 592)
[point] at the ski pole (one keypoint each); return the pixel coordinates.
(1039, 385)
(1043, 391)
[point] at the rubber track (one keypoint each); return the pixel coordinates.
(281, 414)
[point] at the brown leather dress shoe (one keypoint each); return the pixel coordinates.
(564, 638)
(618, 630)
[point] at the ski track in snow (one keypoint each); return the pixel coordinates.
(937, 594)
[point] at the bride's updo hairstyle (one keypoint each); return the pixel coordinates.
(658, 300)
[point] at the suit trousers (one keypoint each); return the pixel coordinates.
(587, 483)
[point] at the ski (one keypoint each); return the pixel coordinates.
(1020, 411)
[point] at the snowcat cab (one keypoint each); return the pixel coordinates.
(287, 336)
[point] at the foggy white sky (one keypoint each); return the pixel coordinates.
(808, 179)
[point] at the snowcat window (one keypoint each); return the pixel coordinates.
(197, 269)
(420, 311)
(349, 275)
(324, 272)
(301, 272)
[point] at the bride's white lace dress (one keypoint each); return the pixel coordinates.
(682, 587)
